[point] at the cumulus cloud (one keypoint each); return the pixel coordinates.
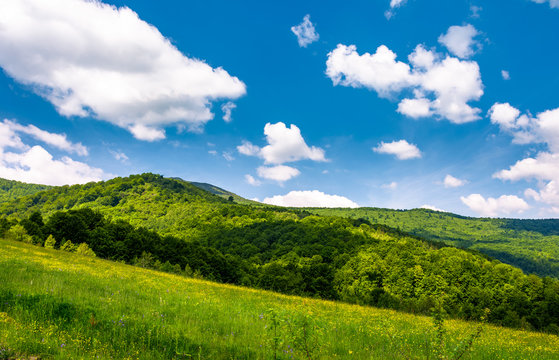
(285, 144)
(459, 40)
(305, 32)
(545, 166)
(552, 3)
(92, 59)
(491, 207)
(147, 133)
(312, 198)
(525, 128)
(252, 181)
(279, 173)
(34, 164)
(505, 74)
(379, 71)
(401, 149)
(452, 182)
(226, 109)
(441, 86)
(415, 108)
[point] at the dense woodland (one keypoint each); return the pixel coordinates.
(11, 190)
(532, 245)
(171, 225)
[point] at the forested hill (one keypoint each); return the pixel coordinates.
(532, 245)
(172, 225)
(170, 205)
(11, 190)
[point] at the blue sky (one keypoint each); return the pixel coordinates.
(399, 104)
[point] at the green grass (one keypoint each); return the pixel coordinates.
(58, 305)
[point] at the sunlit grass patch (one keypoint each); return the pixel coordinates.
(59, 305)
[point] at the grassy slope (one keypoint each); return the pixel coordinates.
(532, 245)
(60, 305)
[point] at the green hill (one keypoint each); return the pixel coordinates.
(532, 245)
(11, 190)
(58, 305)
(172, 225)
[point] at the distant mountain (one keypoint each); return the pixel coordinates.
(11, 190)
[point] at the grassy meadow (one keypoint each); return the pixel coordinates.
(58, 305)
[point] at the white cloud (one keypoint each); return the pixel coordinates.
(212, 152)
(228, 156)
(38, 166)
(552, 3)
(544, 128)
(58, 141)
(305, 32)
(454, 83)
(247, 148)
(442, 87)
(402, 149)
(379, 71)
(394, 4)
(505, 74)
(226, 109)
(285, 144)
(415, 108)
(147, 133)
(452, 182)
(431, 207)
(491, 207)
(119, 156)
(397, 3)
(312, 198)
(548, 194)
(252, 181)
(459, 40)
(504, 115)
(545, 166)
(8, 137)
(279, 173)
(21, 162)
(391, 186)
(92, 59)
(474, 11)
